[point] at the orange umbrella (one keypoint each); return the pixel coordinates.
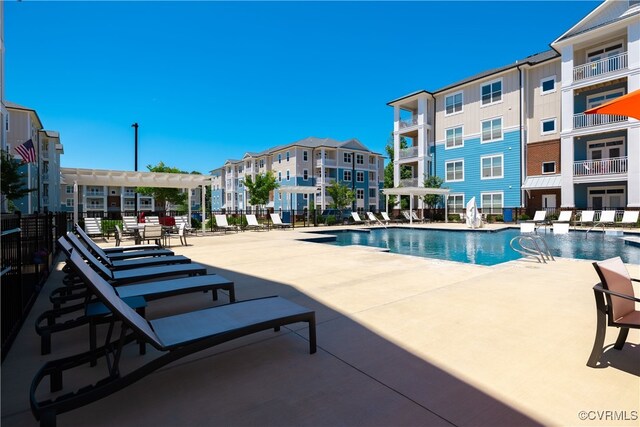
(627, 105)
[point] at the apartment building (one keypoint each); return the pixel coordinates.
(311, 162)
(516, 135)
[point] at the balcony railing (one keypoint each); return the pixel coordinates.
(407, 153)
(95, 193)
(603, 66)
(409, 182)
(588, 120)
(325, 181)
(327, 162)
(92, 207)
(600, 167)
(408, 122)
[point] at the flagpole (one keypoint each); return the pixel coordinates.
(38, 172)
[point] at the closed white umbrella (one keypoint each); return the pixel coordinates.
(474, 220)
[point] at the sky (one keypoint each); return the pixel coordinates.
(209, 81)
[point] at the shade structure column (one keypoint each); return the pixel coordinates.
(75, 202)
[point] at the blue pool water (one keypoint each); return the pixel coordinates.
(485, 248)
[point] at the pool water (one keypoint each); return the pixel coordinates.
(485, 248)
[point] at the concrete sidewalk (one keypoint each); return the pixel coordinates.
(402, 341)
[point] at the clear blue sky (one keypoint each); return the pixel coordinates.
(208, 81)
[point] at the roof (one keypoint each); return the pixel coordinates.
(542, 182)
(15, 106)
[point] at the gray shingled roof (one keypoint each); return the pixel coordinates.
(586, 30)
(10, 104)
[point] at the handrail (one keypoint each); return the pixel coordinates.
(542, 255)
(10, 231)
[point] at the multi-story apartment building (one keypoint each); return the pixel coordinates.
(517, 136)
(310, 162)
(43, 175)
(100, 200)
(600, 154)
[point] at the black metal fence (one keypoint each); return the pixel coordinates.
(27, 246)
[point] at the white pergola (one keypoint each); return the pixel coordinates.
(417, 191)
(111, 178)
(299, 189)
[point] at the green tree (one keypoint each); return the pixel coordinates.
(433, 181)
(341, 195)
(164, 195)
(405, 171)
(12, 183)
(259, 189)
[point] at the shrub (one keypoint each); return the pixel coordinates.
(210, 224)
(109, 225)
(330, 220)
(454, 218)
(499, 218)
(524, 217)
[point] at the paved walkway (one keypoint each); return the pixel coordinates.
(402, 341)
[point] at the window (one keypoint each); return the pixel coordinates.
(69, 203)
(69, 189)
(359, 176)
(372, 192)
(287, 154)
(305, 156)
(491, 203)
(548, 126)
(279, 158)
(491, 167)
(305, 174)
(455, 203)
(492, 130)
(288, 176)
(346, 175)
(454, 137)
(305, 196)
(372, 177)
(359, 159)
(548, 167)
(229, 170)
(453, 103)
(455, 170)
(279, 196)
(279, 176)
(359, 193)
(6, 122)
(347, 157)
(261, 163)
(491, 92)
(548, 85)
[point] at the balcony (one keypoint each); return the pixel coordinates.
(95, 207)
(94, 193)
(582, 120)
(409, 121)
(610, 166)
(327, 162)
(409, 182)
(325, 181)
(408, 153)
(603, 66)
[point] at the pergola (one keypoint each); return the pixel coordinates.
(299, 189)
(113, 178)
(417, 191)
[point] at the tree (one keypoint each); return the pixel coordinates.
(12, 183)
(341, 195)
(405, 171)
(164, 195)
(432, 181)
(259, 189)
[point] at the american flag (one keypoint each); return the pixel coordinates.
(27, 151)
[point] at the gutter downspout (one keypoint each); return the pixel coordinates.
(523, 142)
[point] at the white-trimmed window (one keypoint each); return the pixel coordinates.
(305, 196)
(359, 176)
(491, 92)
(601, 98)
(279, 196)
(287, 154)
(305, 174)
(359, 159)
(454, 137)
(288, 175)
(548, 85)
(305, 156)
(453, 103)
(69, 189)
(279, 158)
(372, 177)
(491, 167)
(279, 176)
(69, 203)
(346, 157)
(454, 170)
(491, 203)
(548, 126)
(492, 130)
(346, 175)
(359, 193)
(548, 167)
(372, 192)
(261, 163)
(455, 203)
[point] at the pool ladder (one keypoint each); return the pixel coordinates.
(532, 245)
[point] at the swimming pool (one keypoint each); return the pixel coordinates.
(484, 248)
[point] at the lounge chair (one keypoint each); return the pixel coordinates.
(126, 264)
(356, 218)
(174, 336)
(407, 216)
(615, 305)
(373, 219)
(540, 217)
(606, 218)
(586, 218)
(222, 224)
(93, 227)
(386, 219)
(253, 224)
(561, 225)
(105, 254)
(277, 221)
(565, 216)
(629, 218)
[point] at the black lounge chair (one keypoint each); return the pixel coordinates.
(126, 264)
(120, 253)
(175, 336)
(615, 304)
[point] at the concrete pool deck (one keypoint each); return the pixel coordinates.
(402, 341)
